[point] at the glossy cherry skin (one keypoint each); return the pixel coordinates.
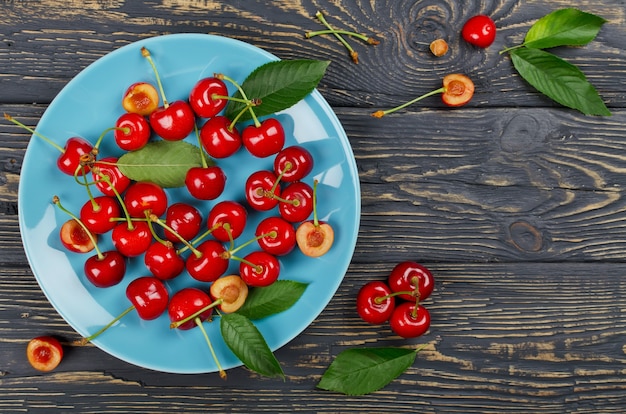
(174, 122)
(98, 215)
(69, 161)
(407, 276)
(212, 263)
(202, 97)
(44, 353)
(131, 242)
(373, 303)
(149, 296)
(185, 303)
(227, 212)
(205, 183)
(133, 132)
(262, 190)
(184, 219)
(404, 324)
(264, 271)
(479, 30)
(108, 167)
(299, 205)
(264, 140)
(74, 237)
(218, 138)
(143, 196)
(163, 262)
(284, 241)
(105, 271)
(294, 163)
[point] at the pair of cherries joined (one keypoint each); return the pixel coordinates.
(410, 282)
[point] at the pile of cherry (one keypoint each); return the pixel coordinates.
(410, 283)
(142, 222)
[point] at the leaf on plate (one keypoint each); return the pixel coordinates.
(275, 298)
(559, 80)
(163, 162)
(248, 344)
(279, 85)
(564, 27)
(360, 371)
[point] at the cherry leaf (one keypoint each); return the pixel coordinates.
(248, 344)
(163, 162)
(279, 85)
(558, 80)
(275, 298)
(564, 27)
(360, 371)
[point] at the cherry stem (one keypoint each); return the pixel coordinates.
(249, 242)
(93, 336)
(380, 114)
(106, 131)
(198, 239)
(354, 55)
(316, 222)
(153, 218)
(202, 155)
(415, 293)
(365, 38)
(196, 314)
(146, 53)
(34, 132)
(57, 201)
(508, 49)
(107, 180)
(208, 341)
(250, 103)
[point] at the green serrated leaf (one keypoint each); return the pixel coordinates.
(163, 162)
(564, 27)
(275, 298)
(360, 371)
(559, 80)
(279, 85)
(248, 344)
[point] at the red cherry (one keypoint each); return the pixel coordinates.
(411, 276)
(174, 122)
(149, 296)
(106, 270)
(210, 264)
(133, 241)
(479, 31)
(284, 241)
(69, 161)
(185, 303)
(98, 214)
(298, 204)
(262, 190)
(218, 138)
(133, 132)
(259, 269)
(409, 322)
(44, 353)
(184, 219)
(108, 167)
(229, 213)
(374, 303)
(203, 100)
(145, 196)
(162, 260)
(205, 183)
(294, 163)
(264, 140)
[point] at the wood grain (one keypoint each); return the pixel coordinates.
(516, 204)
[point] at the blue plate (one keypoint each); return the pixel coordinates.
(89, 104)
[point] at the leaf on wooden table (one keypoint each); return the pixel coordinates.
(564, 27)
(559, 80)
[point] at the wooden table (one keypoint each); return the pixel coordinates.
(515, 203)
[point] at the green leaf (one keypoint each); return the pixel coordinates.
(360, 371)
(163, 162)
(275, 298)
(248, 344)
(558, 80)
(565, 27)
(279, 85)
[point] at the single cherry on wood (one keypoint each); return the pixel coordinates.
(409, 320)
(44, 353)
(479, 30)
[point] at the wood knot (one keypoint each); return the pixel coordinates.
(520, 134)
(526, 237)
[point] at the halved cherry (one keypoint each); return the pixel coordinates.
(140, 98)
(75, 238)
(231, 290)
(44, 353)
